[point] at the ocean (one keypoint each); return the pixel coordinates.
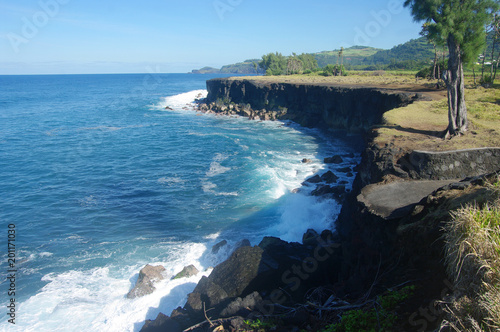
(99, 179)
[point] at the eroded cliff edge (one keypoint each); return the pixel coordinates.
(374, 249)
(352, 108)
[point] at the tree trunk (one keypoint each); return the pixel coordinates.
(482, 67)
(495, 72)
(492, 57)
(454, 78)
(434, 76)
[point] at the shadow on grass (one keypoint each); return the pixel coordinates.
(432, 133)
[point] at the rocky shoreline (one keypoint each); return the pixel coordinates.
(379, 245)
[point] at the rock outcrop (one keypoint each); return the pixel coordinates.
(258, 278)
(187, 271)
(148, 276)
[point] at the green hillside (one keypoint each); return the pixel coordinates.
(413, 55)
(245, 67)
(205, 70)
(415, 50)
(352, 55)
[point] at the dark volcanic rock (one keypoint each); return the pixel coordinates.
(256, 278)
(229, 279)
(344, 170)
(321, 190)
(314, 179)
(147, 277)
(242, 243)
(311, 105)
(310, 237)
(162, 323)
(218, 246)
(258, 269)
(334, 160)
(329, 177)
(242, 306)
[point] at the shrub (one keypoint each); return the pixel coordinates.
(334, 70)
(380, 317)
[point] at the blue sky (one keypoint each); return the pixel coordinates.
(91, 36)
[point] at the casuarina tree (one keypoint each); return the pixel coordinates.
(460, 24)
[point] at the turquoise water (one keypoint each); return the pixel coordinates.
(100, 179)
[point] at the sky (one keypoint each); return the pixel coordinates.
(167, 36)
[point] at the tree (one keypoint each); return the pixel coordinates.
(495, 26)
(460, 23)
(294, 65)
(309, 62)
(277, 64)
(274, 64)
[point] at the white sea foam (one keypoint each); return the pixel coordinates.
(95, 299)
(216, 169)
(212, 236)
(209, 188)
(302, 212)
(171, 181)
(181, 101)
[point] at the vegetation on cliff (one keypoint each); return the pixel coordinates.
(473, 261)
(278, 64)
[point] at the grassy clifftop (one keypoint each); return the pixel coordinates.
(421, 124)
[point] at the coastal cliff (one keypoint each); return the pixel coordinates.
(355, 109)
(389, 232)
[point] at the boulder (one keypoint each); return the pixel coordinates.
(187, 271)
(314, 179)
(229, 279)
(327, 235)
(321, 190)
(338, 192)
(242, 243)
(242, 307)
(329, 177)
(218, 246)
(310, 237)
(253, 278)
(333, 160)
(145, 283)
(162, 323)
(345, 170)
(248, 270)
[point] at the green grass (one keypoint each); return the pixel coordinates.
(473, 261)
(357, 52)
